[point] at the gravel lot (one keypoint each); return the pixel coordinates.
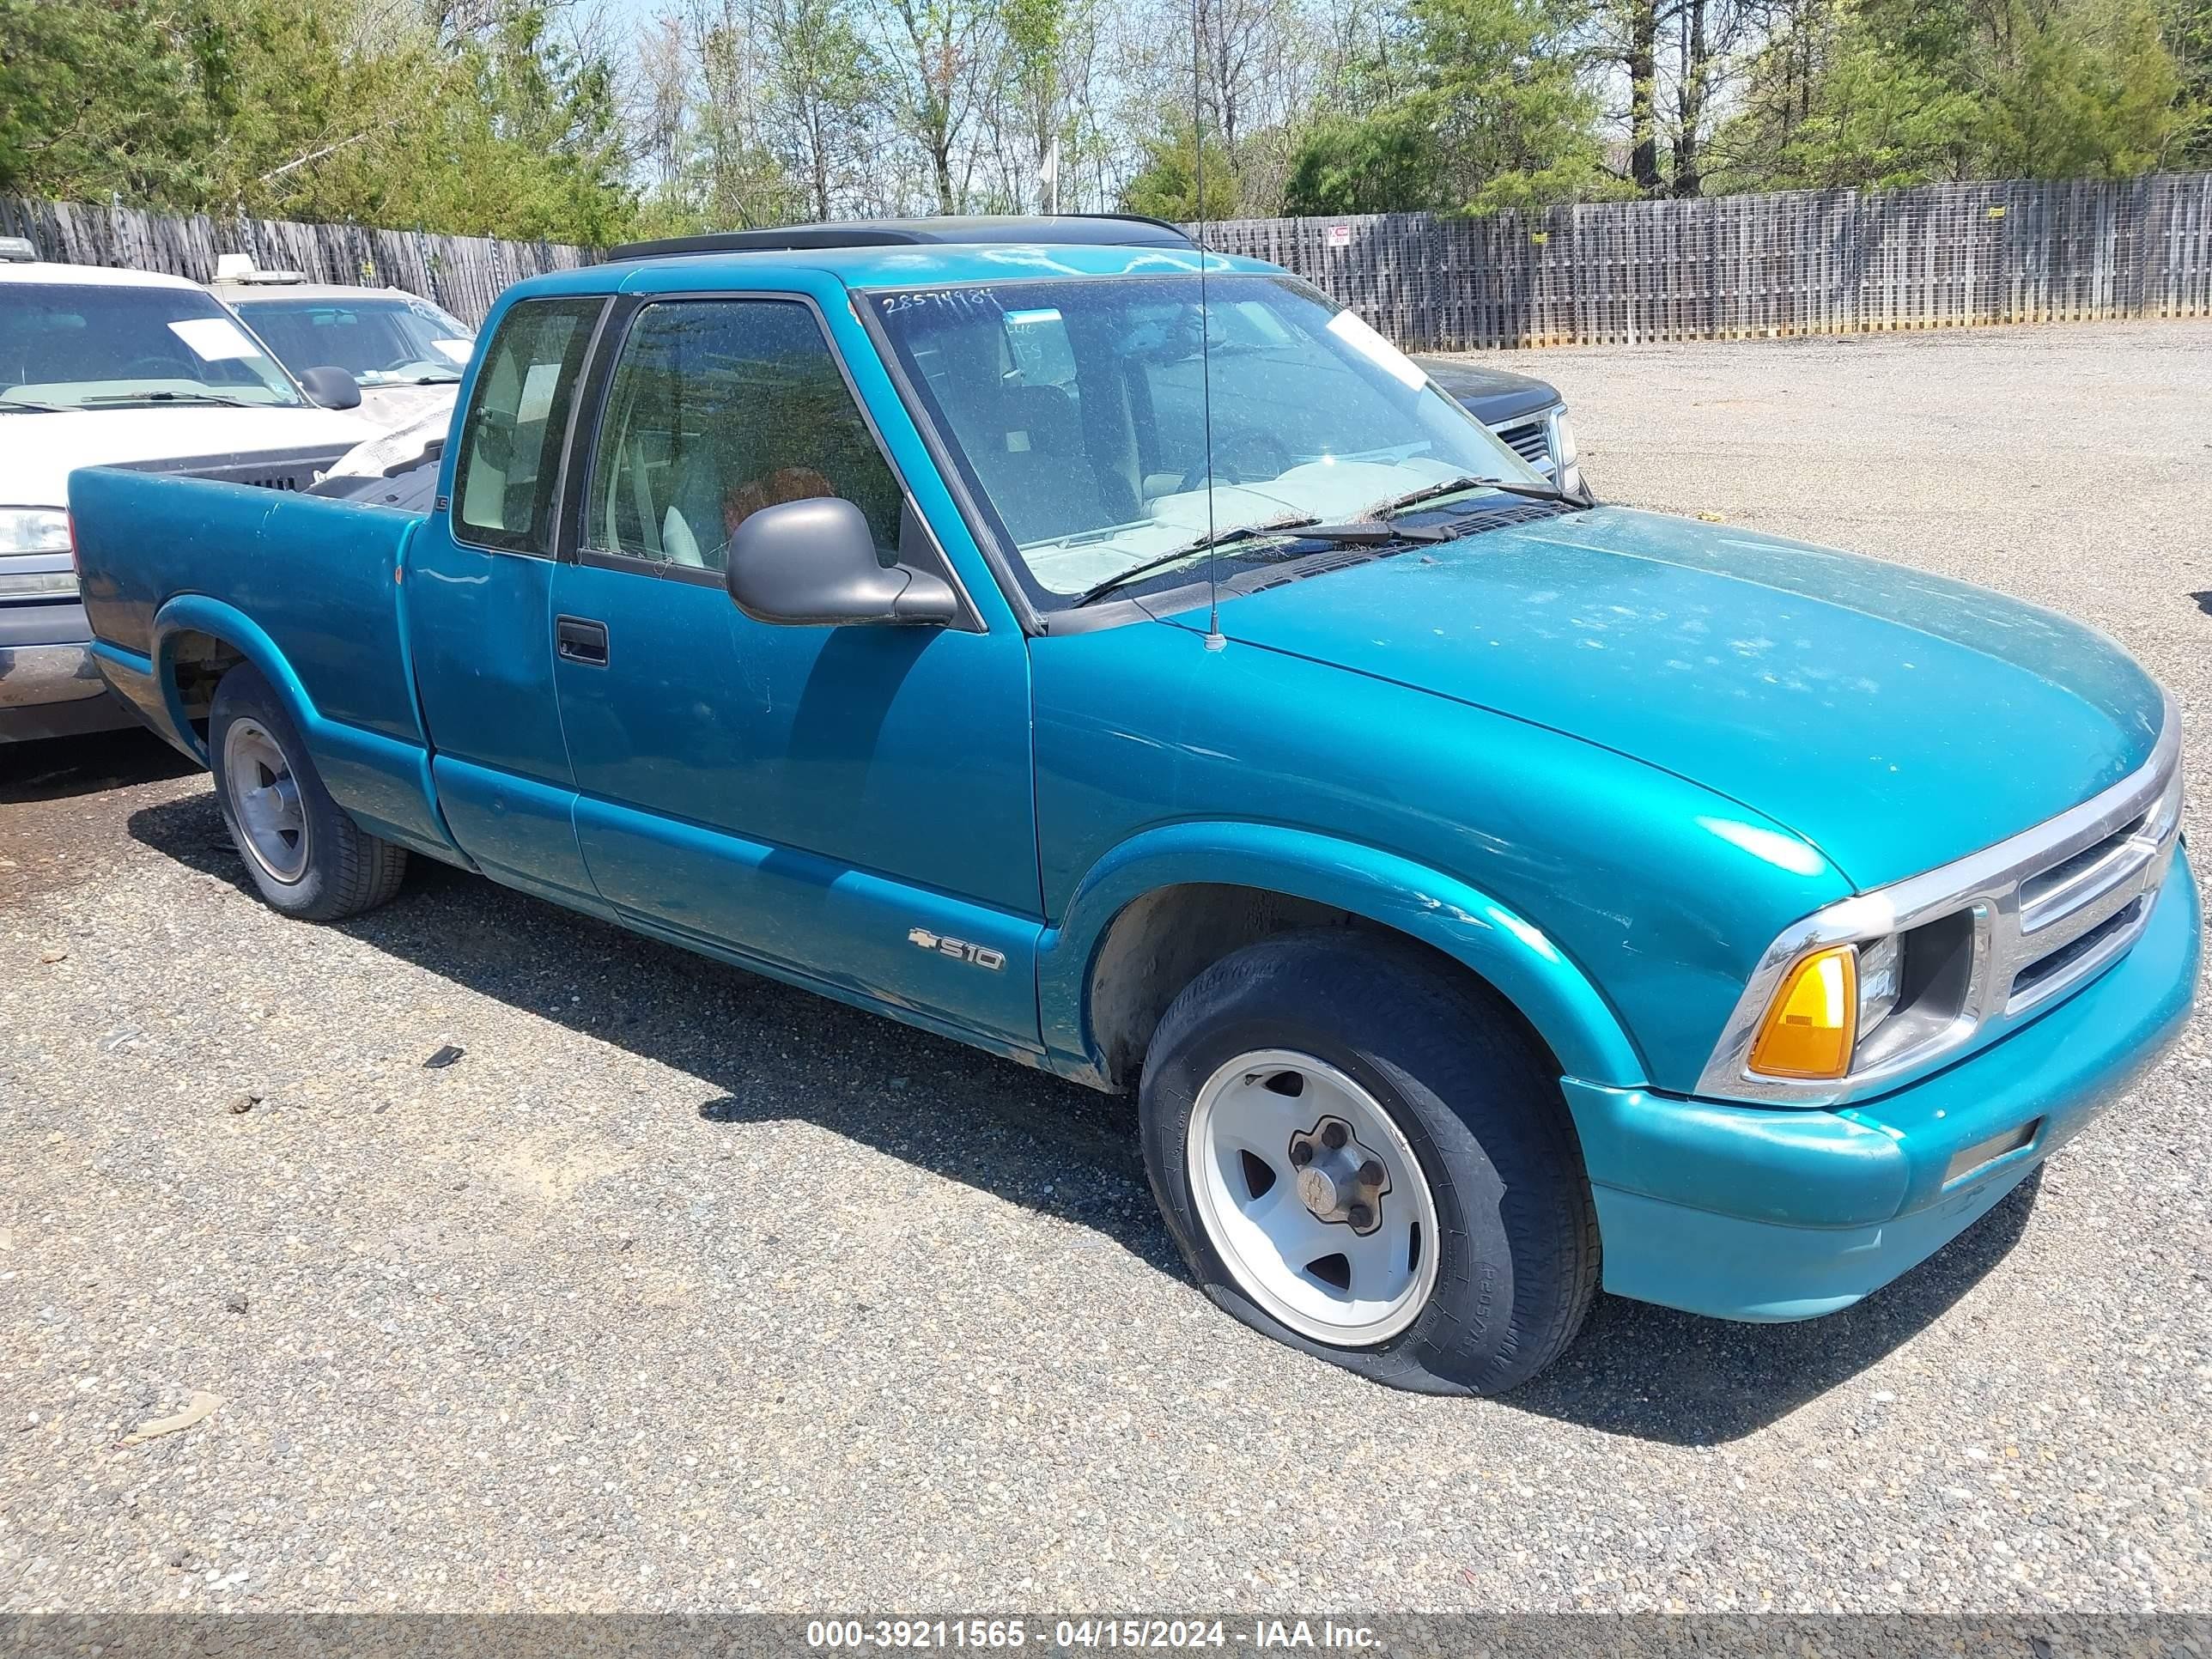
(682, 1290)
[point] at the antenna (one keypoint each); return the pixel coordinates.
(1214, 641)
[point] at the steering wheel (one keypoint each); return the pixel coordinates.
(1251, 457)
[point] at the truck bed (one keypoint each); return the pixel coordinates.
(320, 579)
(183, 578)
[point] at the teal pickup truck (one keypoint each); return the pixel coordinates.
(1155, 679)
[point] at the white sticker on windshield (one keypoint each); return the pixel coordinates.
(214, 339)
(538, 394)
(459, 350)
(1350, 328)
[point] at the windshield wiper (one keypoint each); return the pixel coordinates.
(120, 398)
(1363, 533)
(1203, 545)
(23, 406)
(1454, 486)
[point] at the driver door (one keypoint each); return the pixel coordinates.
(839, 804)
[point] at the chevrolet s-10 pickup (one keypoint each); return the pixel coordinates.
(1151, 675)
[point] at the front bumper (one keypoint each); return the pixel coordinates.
(1744, 1212)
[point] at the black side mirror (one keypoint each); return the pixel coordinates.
(814, 562)
(330, 388)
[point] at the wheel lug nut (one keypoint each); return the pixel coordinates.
(1301, 1154)
(1333, 1135)
(1370, 1173)
(1359, 1215)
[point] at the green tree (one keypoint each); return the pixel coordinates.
(101, 99)
(320, 110)
(2186, 28)
(1390, 162)
(1855, 97)
(1886, 92)
(2079, 90)
(1167, 185)
(1496, 116)
(825, 84)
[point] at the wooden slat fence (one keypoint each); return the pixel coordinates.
(1800, 262)
(465, 274)
(1727, 267)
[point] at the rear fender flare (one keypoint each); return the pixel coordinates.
(197, 613)
(1511, 953)
(384, 784)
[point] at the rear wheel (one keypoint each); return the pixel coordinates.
(306, 857)
(1365, 1158)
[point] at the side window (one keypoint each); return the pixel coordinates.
(717, 409)
(511, 445)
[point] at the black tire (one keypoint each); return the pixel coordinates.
(1517, 1262)
(346, 870)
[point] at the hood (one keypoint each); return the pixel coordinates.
(39, 452)
(389, 408)
(1894, 718)
(1489, 395)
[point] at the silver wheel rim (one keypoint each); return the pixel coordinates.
(1278, 1192)
(264, 801)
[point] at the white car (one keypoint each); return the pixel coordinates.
(101, 367)
(406, 354)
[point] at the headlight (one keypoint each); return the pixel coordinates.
(1826, 1009)
(1563, 439)
(33, 530)
(1885, 984)
(1882, 963)
(29, 532)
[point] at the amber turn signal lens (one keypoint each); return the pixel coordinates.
(1812, 1022)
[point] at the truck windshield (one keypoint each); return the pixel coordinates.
(92, 346)
(1077, 409)
(378, 341)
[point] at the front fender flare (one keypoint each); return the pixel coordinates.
(1505, 949)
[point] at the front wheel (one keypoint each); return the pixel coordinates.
(1364, 1157)
(307, 858)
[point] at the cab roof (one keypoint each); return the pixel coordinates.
(894, 266)
(1118, 230)
(58, 272)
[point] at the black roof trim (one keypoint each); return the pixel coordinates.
(1112, 229)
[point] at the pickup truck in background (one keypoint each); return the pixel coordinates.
(1487, 895)
(122, 368)
(1527, 414)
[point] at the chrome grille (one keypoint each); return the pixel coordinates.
(2049, 893)
(1529, 440)
(2040, 977)
(2048, 909)
(2080, 911)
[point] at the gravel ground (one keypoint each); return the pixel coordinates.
(680, 1289)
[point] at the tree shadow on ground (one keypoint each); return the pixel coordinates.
(775, 1053)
